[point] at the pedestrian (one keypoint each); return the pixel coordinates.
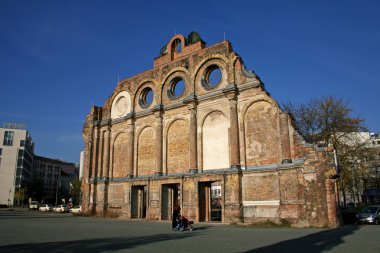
(176, 212)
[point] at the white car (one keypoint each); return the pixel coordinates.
(33, 205)
(60, 209)
(76, 209)
(46, 208)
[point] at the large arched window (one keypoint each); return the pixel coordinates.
(215, 142)
(178, 147)
(120, 151)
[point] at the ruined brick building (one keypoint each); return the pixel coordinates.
(199, 130)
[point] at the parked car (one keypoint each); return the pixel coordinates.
(60, 209)
(76, 209)
(370, 214)
(33, 205)
(46, 208)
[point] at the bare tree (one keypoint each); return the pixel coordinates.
(328, 121)
(325, 120)
(75, 190)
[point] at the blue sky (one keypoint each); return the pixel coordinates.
(57, 58)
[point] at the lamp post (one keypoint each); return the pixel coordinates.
(9, 197)
(58, 184)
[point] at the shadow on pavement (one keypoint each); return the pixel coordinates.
(94, 245)
(318, 242)
(202, 227)
(33, 216)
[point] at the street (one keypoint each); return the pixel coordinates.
(33, 231)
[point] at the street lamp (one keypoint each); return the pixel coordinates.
(56, 190)
(9, 197)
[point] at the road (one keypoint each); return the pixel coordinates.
(23, 231)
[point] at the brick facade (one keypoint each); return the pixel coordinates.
(200, 131)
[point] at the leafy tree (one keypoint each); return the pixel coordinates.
(20, 196)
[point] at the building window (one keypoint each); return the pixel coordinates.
(1, 151)
(177, 44)
(146, 97)
(212, 77)
(8, 138)
(177, 87)
(22, 143)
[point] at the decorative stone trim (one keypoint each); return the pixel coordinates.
(173, 105)
(296, 163)
(248, 73)
(105, 122)
(157, 108)
(229, 88)
(249, 85)
(191, 98)
(143, 113)
(262, 203)
(214, 94)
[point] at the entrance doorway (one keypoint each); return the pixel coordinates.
(170, 198)
(138, 208)
(210, 196)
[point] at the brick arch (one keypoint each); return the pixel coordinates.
(171, 46)
(262, 134)
(223, 60)
(146, 152)
(261, 98)
(215, 141)
(199, 73)
(119, 153)
(142, 85)
(177, 147)
(176, 72)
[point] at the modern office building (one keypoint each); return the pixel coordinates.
(16, 160)
(52, 178)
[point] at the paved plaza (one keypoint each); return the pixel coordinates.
(32, 231)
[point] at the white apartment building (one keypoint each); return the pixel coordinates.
(16, 160)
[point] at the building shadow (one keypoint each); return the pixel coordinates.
(95, 245)
(322, 241)
(34, 216)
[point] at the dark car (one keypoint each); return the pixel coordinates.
(348, 214)
(370, 214)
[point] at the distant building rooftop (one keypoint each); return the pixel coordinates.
(14, 126)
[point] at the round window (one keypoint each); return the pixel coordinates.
(146, 97)
(213, 76)
(177, 87)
